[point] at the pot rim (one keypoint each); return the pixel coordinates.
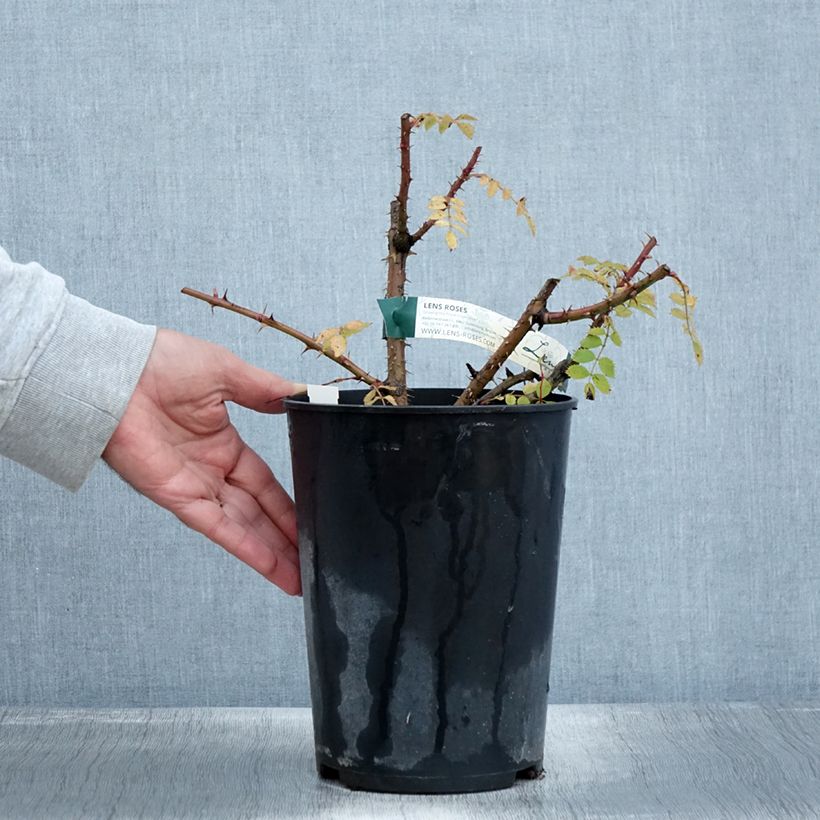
(300, 402)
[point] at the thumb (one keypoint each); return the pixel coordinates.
(257, 389)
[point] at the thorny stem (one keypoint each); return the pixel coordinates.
(398, 247)
(636, 265)
(466, 171)
(503, 351)
(215, 300)
(597, 312)
(599, 309)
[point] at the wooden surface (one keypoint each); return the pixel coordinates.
(737, 760)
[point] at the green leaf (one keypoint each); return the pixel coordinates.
(589, 391)
(646, 297)
(588, 260)
(597, 331)
(678, 314)
(530, 387)
(466, 117)
(616, 337)
(524, 400)
(509, 398)
(577, 371)
(601, 382)
(591, 341)
(444, 122)
(583, 355)
(622, 310)
(607, 366)
(646, 309)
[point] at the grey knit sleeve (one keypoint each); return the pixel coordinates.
(67, 372)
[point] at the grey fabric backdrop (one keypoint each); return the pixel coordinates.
(150, 145)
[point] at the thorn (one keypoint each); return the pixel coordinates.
(225, 294)
(508, 372)
(471, 370)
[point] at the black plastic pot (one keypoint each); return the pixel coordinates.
(429, 543)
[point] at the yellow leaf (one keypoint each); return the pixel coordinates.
(466, 129)
(678, 299)
(483, 179)
(521, 207)
(698, 348)
(531, 223)
(678, 314)
(458, 215)
(466, 117)
(444, 123)
(492, 187)
(327, 334)
(456, 202)
(391, 400)
(437, 202)
(354, 326)
(335, 345)
(458, 228)
(370, 397)
(452, 240)
(506, 194)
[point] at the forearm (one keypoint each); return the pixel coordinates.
(67, 371)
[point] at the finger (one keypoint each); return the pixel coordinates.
(242, 507)
(257, 389)
(269, 560)
(255, 477)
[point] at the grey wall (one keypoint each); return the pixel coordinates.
(149, 145)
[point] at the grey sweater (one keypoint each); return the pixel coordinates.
(67, 372)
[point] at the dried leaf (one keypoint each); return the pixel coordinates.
(506, 194)
(370, 397)
(493, 187)
(531, 223)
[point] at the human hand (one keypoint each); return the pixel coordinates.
(176, 445)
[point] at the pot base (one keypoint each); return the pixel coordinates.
(425, 784)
